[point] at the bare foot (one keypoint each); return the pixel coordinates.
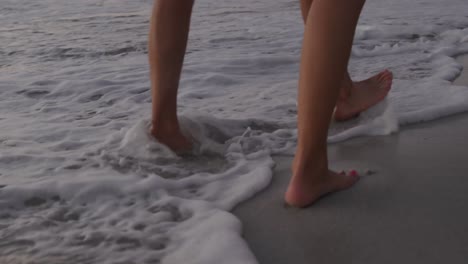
(307, 186)
(363, 95)
(173, 139)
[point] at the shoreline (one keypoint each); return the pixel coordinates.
(413, 210)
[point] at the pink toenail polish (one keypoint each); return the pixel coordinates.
(353, 173)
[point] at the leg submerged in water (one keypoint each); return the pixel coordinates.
(170, 23)
(328, 38)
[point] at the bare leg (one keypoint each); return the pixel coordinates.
(328, 38)
(170, 23)
(356, 97)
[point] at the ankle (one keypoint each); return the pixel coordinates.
(312, 162)
(345, 89)
(164, 128)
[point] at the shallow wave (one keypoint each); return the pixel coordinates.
(142, 203)
(56, 53)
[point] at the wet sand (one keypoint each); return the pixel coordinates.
(413, 210)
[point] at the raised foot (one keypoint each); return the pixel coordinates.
(304, 191)
(363, 95)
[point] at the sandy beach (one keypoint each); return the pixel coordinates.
(413, 210)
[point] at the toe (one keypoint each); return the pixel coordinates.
(344, 182)
(389, 76)
(385, 80)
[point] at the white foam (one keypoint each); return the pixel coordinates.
(380, 120)
(183, 213)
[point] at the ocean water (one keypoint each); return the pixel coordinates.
(81, 181)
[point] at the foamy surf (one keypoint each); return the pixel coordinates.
(151, 207)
